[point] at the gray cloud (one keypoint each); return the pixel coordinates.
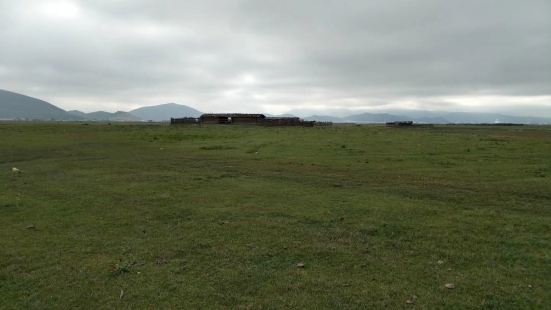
(279, 55)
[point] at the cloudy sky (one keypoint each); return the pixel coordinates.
(280, 55)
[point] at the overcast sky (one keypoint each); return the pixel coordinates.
(280, 55)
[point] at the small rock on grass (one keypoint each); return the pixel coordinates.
(411, 301)
(30, 226)
(449, 286)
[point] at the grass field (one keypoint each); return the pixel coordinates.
(159, 217)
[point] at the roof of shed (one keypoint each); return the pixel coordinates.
(233, 115)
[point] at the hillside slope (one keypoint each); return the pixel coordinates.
(17, 106)
(164, 112)
(119, 116)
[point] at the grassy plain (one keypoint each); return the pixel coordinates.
(159, 217)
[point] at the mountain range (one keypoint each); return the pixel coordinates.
(164, 112)
(431, 117)
(17, 106)
(14, 106)
(119, 116)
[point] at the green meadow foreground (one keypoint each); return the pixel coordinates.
(152, 216)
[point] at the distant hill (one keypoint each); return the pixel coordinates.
(16, 106)
(325, 118)
(431, 117)
(164, 112)
(376, 118)
(463, 117)
(359, 118)
(78, 113)
(118, 116)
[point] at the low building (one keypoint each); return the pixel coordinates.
(232, 118)
(184, 120)
(400, 124)
(244, 119)
(282, 121)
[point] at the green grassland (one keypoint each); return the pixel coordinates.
(159, 217)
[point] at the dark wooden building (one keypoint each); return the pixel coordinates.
(243, 119)
(282, 121)
(184, 120)
(232, 118)
(400, 124)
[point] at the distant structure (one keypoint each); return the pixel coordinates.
(231, 118)
(400, 124)
(285, 121)
(243, 119)
(184, 120)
